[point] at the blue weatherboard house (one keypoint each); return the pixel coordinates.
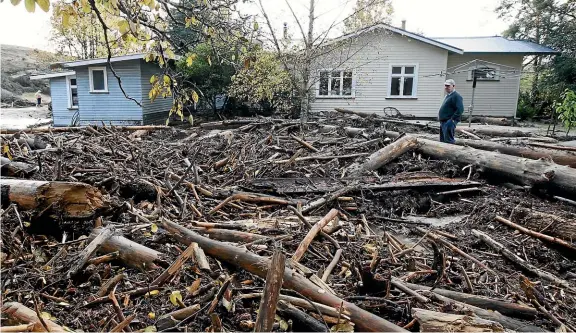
(86, 92)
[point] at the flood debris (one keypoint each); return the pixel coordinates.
(354, 222)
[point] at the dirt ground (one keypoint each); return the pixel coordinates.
(21, 118)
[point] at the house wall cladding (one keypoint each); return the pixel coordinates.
(370, 56)
(155, 112)
(491, 98)
(111, 107)
(61, 115)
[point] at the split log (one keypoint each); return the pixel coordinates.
(299, 253)
(71, 200)
(503, 307)
(302, 321)
(10, 168)
(22, 314)
(94, 245)
(257, 265)
(525, 171)
(507, 322)
(131, 253)
(535, 234)
(529, 268)
(432, 321)
(267, 309)
(82, 128)
(547, 223)
(387, 154)
(558, 156)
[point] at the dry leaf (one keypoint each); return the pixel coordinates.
(154, 228)
(151, 315)
(195, 285)
(175, 296)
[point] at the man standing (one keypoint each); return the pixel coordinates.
(450, 112)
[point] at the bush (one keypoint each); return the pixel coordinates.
(567, 110)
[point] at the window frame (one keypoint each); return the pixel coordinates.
(341, 70)
(403, 75)
(90, 76)
(69, 91)
(495, 79)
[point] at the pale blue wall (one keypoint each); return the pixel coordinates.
(112, 107)
(61, 115)
(154, 112)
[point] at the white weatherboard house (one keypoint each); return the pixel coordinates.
(384, 66)
(86, 92)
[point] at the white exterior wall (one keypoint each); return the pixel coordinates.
(492, 98)
(370, 57)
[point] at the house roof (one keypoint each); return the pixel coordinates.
(78, 63)
(51, 75)
(402, 32)
(495, 44)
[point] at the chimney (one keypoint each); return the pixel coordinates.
(285, 30)
(403, 24)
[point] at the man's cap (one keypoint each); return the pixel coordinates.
(449, 82)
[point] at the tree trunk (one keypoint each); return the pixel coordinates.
(16, 169)
(432, 321)
(269, 300)
(558, 156)
(131, 253)
(364, 320)
(387, 154)
(539, 173)
(22, 314)
(492, 121)
(546, 223)
(72, 200)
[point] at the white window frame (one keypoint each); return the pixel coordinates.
(90, 71)
(69, 90)
(495, 78)
(341, 70)
(401, 76)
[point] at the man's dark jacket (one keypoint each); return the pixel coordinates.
(452, 107)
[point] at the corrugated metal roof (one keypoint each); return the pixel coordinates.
(495, 44)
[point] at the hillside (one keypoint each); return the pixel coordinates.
(17, 64)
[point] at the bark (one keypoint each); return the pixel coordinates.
(22, 314)
(520, 262)
(365, 321)
(547, 223)
(175, 267)
(16, 169)
(525, 171)
(269, 300)
(432, 321)
(505, 308)
(558, 156)
(387, 154)
(88, 251)
(71, 200)
(131, 253)
(200, 258)
(535, 234)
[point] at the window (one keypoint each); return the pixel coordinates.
(335, 83)
(98, 79)
(484, 73)
(72, 92)
(403, 81)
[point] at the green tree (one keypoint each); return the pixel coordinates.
(567, 110)
(367, 13)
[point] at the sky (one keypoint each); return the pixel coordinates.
(433, 18)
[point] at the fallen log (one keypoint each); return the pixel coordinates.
(535, 234)
(83, 257)
(269, 300)
(520, 262)
(503, 307)
(543, 145)
(299, 253)
(228, 235)
(22, 314)
(432, 321)
(492, 121)
(558, 156)
(82, 128)
(71, 200)
(11, 168)
(387, 154)
(547, 223)
(131, 253)
(302, 321)
(257, 265)
(172, 319)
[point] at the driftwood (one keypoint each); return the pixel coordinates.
(387, 154)
(558, 147)
(171, 319)
(94, 245)
(521, 262)
(227, 235)
(269, 300)
(546, 223)
(255, 264)
(22, 314)
(71, 200)
(130, 252)
(299, 253)
(506, 308)
(535, 234)
(16, 169)
(492, 121)
(82, 128)
(432, 321)
(175, 267)
(302, 321)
